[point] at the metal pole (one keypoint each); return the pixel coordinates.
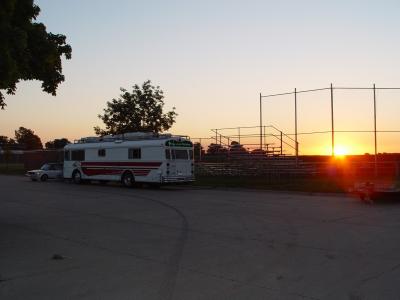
(295, 126)
(375, 137)
(200, 151)
(261, 141)
(239, 134)
(333, 125)
(216, 136)
(281, 143)
(265, 140)
(229, 148)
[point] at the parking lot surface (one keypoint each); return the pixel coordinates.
(64, 241)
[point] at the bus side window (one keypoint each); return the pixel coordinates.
(191, 154)
(67, 155)
(173, 154)
(167, 154)
(78, 155)
(101, 152)
(134, 153)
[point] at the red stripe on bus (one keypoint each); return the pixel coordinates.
(120, 163)
(118, 168)
(93, 172)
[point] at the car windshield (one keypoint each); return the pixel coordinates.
(45, 167)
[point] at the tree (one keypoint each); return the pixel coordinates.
(6, 141)
(140, 110)
(3, 140)
(27, 50)
(198, 151)
(57, 143)
(237, 149)
(6, 145)
(28, 139)
(216, 149)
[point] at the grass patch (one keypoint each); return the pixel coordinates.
(309, 184)
(12, 169)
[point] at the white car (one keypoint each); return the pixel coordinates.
(47, 171)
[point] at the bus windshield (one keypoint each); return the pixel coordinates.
(181, 154)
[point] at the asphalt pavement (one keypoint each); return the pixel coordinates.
(64, 241)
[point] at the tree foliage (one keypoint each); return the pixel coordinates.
(27, 50)
(139, 110)
(57, 143)
(5, 141)
(198, 150)
(216, 149)
(28, 139)
(237, 149)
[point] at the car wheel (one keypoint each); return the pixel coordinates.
(44, 177)
(127, 179)
(77, 177)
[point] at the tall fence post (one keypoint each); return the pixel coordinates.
(332, 123)
(295, 126)
(261, 142)
(200, 150)
(375, 137)
(265, 139)
(229, 147)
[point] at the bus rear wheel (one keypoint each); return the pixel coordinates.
(127, 179)
(77, 177)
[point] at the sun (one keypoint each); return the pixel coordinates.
(341, 150)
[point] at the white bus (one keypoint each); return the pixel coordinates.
(129, 158)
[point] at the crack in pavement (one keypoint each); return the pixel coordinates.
(380, 274)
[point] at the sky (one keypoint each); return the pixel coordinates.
(213, 58)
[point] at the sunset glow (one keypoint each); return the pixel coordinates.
(341, 150)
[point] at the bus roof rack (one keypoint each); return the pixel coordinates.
(129, 136)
